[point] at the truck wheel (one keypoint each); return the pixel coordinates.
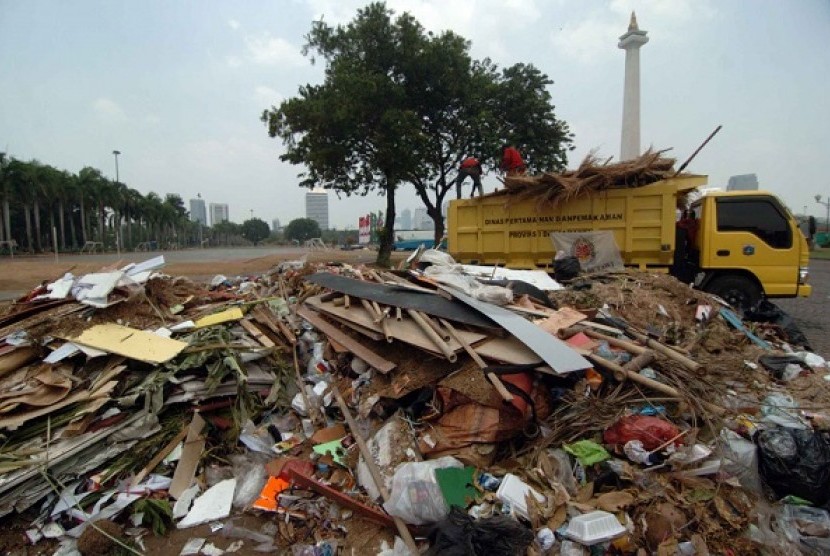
(739, 291)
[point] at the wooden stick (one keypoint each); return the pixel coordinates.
(163, 453)
(346, 302)
(640, 362)
(630, 347)
(373, 467)
(373, 313)
(441, 333)
(398, 314)
(430, 333)
(693, 366)
(492, 377)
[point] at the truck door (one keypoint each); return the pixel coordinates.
(754, 233)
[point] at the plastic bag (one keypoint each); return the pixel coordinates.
(566, 268)
(777, 365)
(795, 461)
(651, 431)
(250, 476)
(416, 497)
(740, 459)
(461, 535)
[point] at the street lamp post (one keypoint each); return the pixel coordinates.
(827, 206)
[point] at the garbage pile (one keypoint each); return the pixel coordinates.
(593, 174)
(443, 409)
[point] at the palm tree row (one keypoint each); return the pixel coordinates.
(38, 198)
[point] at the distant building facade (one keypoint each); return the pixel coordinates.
(421, 220)
(275, 225)
(218, 213)
(198, 212)
(317, 207)
(744, 182)
(406, 220)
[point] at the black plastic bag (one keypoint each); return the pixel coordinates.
(566, 268)
(795, 461)
(777, 364)
(458, 534)
(766, 311)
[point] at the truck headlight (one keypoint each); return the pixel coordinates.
(803, 274)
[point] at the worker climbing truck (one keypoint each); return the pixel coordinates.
(741, 245)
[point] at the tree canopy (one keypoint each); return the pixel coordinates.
(400, 105)
(302, 229)
(255, 230)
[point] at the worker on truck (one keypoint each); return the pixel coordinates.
(471, 167)
(511, 161)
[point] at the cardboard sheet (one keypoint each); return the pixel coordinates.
(218, 318)
(194, 445)
(130, 342)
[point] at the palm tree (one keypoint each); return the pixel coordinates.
(5, 192)
(22, 181)
(95, 188)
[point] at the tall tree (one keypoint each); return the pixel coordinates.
(301, 229)
(6, 195)
(255, 230)
(352, 132)
(401, 105)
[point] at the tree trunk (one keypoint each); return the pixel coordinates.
(62, 225)
(438, 219)
(2, 225)
(83, 221)
(29, 244)
(129, 244)
(49, 235)
(37, 225)
(72, 232)
(7, 221)
(101, 223)
(387, 237)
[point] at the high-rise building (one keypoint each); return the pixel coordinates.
(218, 213)
(317, 207)
(406, 219)
(197, 211)
(631, 42)
(744, 182)
(421, 220)
(275, 225)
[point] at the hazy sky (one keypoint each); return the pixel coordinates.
(178, 86)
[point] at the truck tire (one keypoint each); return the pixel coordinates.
(739, 291)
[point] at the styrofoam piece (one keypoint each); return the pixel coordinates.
(594, 527)
(513, 491)
(213, 505)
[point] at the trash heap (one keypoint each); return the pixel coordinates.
(593, 174)
(442, 408)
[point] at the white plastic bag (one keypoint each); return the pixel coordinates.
(416, 497)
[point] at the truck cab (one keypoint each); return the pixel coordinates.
(747, 244)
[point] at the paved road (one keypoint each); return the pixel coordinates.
(813, 313)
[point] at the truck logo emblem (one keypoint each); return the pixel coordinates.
(584, 250)
(749, 249)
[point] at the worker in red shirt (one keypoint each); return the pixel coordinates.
(470, 166)
(511, 161)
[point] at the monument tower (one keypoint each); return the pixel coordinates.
(631, 43)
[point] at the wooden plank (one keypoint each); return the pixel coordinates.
(507, 350)
(405, 331)
(373, 359)
(257, 334)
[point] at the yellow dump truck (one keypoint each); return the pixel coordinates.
(738, 245)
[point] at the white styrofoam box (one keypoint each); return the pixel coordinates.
(594, 527)
(513, 491)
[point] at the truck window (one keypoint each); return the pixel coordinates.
(756, 216)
